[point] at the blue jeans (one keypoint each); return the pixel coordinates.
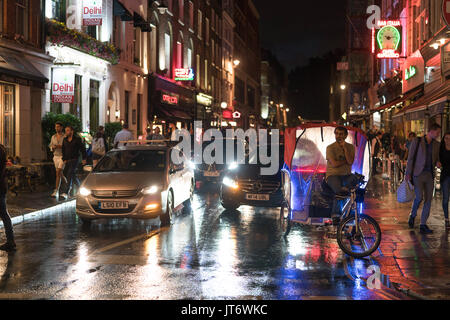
(336, 183)
(445, 187)
(6, 219)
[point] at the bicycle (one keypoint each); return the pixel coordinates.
(357, 234)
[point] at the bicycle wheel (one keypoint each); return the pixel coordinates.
(285, 218)
(362, 243)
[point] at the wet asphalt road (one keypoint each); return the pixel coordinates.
(208, 254)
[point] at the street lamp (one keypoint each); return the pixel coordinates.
(224, 105)
(343, 86)
(236, 62)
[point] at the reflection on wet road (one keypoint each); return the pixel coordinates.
(208, 254)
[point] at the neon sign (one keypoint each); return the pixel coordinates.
(389, 40)
(236, 115)
(184, 74)
(169, 99)
(410, 72)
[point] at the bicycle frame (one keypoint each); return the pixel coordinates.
(348, 206)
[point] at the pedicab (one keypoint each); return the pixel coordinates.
(308, 200)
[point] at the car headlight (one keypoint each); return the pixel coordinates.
(150, 190)
(85, 192)
(230, 183)
(233, 166)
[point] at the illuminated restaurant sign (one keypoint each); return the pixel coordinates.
(63, 80)
(410, 72)
(184, 74)
(389, 39)
(169, 98)
(92, 12)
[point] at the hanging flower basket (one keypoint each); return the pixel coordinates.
(58, 34)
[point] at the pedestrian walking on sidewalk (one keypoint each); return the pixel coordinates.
(10, 244)
(444, 158)
(376, 149)
(422, 159)
(56, 147)
(72, 148)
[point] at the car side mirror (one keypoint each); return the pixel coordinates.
(87, 168)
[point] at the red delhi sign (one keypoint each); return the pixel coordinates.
(92, 12)
(227, 114)
(63, 85)
(446, 11)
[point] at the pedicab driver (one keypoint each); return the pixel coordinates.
(340, 156)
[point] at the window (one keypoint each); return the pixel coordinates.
(206, 74)
(181, 10)
(191, 15)
(199, 24)
(92, 31)
(213, 24)
(117, 28)
(170, 5)
(153, 53)
(22, 18)
(139, 120)
(207, 30)
(7, 129)
(251, 96)
(127, 106)
(213, 46)
(94, 108)
(239, 90)
(167, 42)
(137, 47)
(75, 107)
(1, 15)
(189, 58)
(198, 71)
(59, 10)
(179, 55)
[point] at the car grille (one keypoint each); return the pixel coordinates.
(114, 193)
(114, 211)
(255, 186)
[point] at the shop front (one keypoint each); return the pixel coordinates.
(169, 104)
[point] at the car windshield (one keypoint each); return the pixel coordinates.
(132, 160)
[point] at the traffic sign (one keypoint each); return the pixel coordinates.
(446, 11)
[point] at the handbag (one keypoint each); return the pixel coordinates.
(405, 192)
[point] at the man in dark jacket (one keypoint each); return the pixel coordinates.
(71, 149)
(10, 245)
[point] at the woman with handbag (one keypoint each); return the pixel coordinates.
(444, 157)
(98, 148)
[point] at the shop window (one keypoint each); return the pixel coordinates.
(7, 132)
(94, 110)
(59, 10)
(22, 18)
(75, 107)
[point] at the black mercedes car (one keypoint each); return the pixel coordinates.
(243, 184)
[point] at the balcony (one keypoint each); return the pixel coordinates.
(58, 34)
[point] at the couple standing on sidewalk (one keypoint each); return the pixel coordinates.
(425, 154)
(66, 153)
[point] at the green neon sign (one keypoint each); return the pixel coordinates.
(410, 72)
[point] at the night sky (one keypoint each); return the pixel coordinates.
(295, 30)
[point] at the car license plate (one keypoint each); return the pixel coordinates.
(262, 197)
(211, 173)
(114, 205)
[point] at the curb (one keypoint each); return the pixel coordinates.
(68, 204)
(409, 292)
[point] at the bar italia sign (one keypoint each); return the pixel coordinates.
(389, 39)
(63, 80)
(92, 12)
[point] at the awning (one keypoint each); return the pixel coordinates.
(140, 22)
(120, 10)
(429, 99)
(14, 67)
(397, 100)
(172, 113)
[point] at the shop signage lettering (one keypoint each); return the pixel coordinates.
(227, 114)
(184, 74)
(63, 85)
(389, 39)
(169, 99)
(410, 72)
(204, 99)
(92, 12)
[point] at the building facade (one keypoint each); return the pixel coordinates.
(24, 78)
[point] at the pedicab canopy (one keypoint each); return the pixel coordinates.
(305, 148)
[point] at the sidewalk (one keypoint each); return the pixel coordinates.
(416, 264)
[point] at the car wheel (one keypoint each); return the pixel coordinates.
(187, 205)
(167, 218)
(230, 205)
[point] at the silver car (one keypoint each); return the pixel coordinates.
(139, 182)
